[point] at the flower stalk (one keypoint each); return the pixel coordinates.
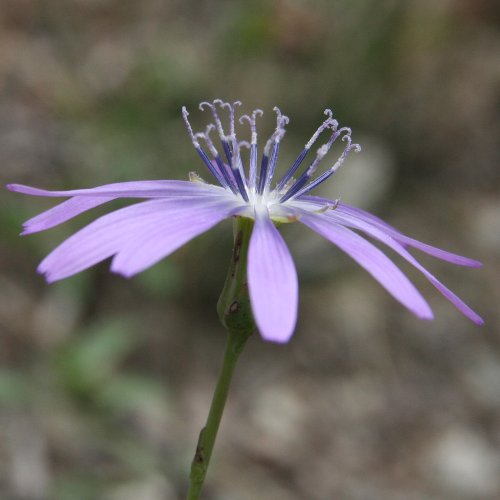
(235, 314)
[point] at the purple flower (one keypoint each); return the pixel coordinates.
(140, 235)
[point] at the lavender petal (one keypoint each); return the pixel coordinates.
(373, 260)
(63, 212)
(458, 260)
(112, 233)
(177, 226)
(406, 240)
(387, 239)
(132, 189)
(272, 281)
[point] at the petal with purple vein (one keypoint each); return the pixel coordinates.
(406, 240)
(111, 233)
(62, 212)
(373, 260)
(175, 229)
(387, 239)
(272, 281)
(132, 189)
(388, 229)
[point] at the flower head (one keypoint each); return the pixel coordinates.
(176, 211)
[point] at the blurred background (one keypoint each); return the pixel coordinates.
(105, 382)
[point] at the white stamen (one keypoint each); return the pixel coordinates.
(281, 121)
(185, 115)
(252, 121)
(218, 123)
(328, 123)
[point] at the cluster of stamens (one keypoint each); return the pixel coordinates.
(256, 182)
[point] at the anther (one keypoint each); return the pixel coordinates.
(252, 122)
(347, 131)
(323, 177)
(328, 206)
(217, 120)
(194, 177)
(252, 175)
(328, 123)
(237, 170)
(271, 150)
(231, 113)
(219, 175)
(206, 137)
(229, 180)
(185, 115)
(279, 132)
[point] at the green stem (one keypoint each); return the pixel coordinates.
(234, 346)
(236, 316)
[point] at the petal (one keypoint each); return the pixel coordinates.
(62, 212)
(373, 260)
(272, 281)
(98, 240)
(387, 228)
(133, 189)
(82, 202)
(112, 233)
(387, 239)
(177, 227)
(406, 240)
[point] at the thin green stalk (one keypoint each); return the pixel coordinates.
(236, 316)
(201, 460)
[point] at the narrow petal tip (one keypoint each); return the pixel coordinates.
(124, 273)
(473, 263)
(427, 315)
(277, 336)
(472, 315)
(46, 275)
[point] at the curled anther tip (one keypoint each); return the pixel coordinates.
(328, 112)
(205, 104)
(245, 117)
(334, 125)
(244, 144)
(347, 131)
(199, 135)
(237, 103)
(209, 128)
(257, 112)
(348, 139)
(355, 147)
(278, 112)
